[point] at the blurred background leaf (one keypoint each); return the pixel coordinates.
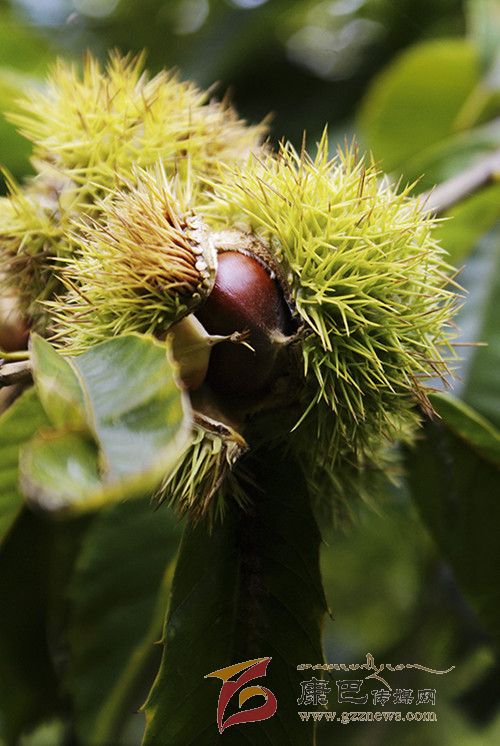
(465, 224)
(307, 61)
(15, 149)
(24, 55)
(403, 114)
(484, 25)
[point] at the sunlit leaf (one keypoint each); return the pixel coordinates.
(137, 424)
(134, 405)
(58, 386)
(61, 469)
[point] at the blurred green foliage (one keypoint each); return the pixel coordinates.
(419, 84)
(306, 61)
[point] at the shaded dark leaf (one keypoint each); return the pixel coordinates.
(251, 589)
(119, 595)
(454, 475)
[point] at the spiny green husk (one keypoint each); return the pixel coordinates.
(90, 131)
(366, 276)
(373, 293)
(100, 123)
(145, 263)
(341, 473)
(34, 228)
(205, 478)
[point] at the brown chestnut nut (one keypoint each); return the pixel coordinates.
(14, 329)
(245, 298)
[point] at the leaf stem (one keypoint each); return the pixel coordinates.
(17, 355)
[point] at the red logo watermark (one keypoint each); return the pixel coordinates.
(249, 670)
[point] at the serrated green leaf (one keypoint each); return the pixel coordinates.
(17, 425)
(251, 589)
(58, 386)
(117, 615)
(139, 418)
(414, 103)
(454, 476)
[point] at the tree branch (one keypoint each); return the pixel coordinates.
(452, 191)
(11, 373)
